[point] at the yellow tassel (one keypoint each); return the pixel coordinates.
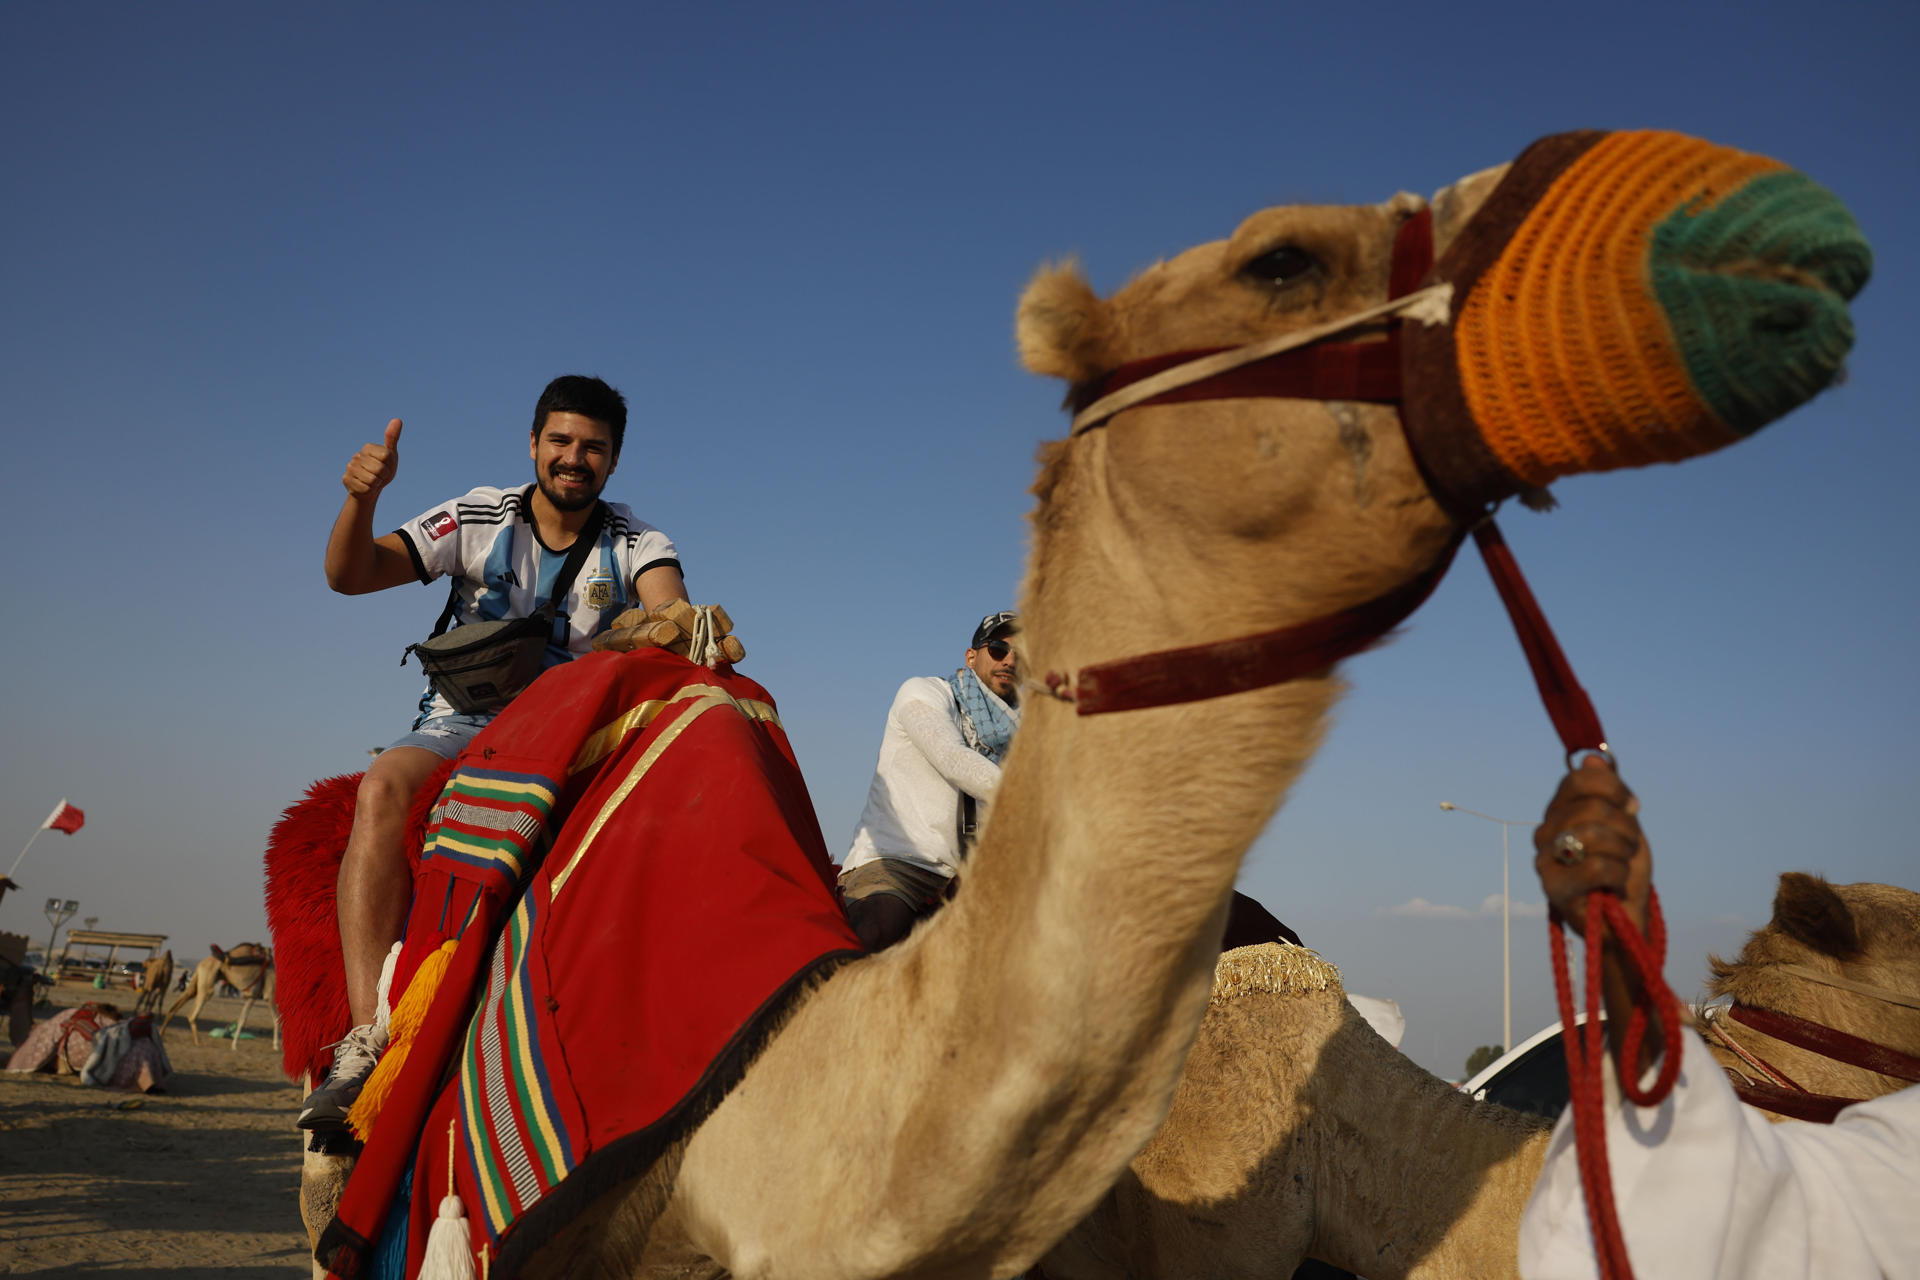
(403, 1027)
(449, 1254)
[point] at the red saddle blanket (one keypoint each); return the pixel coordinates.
(631, 866)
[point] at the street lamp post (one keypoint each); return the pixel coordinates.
(1506, 921)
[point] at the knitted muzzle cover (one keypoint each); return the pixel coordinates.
(1627, 298)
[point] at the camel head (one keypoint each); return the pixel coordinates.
(1606, 300)
(1868, 933)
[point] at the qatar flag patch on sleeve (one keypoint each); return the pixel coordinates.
(439, 524)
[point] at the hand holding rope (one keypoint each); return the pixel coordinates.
(1597, 871)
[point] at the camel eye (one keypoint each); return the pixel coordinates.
(1283, 265)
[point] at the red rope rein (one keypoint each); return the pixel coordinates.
(1578, 725)
(1585, 1052)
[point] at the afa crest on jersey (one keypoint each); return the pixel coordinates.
(599, 590)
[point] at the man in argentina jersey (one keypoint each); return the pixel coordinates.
(503, 548)
(502, 568)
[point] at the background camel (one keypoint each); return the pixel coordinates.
(955, 1104)
(248, 967)
(1297, 1132)
(155, 978)
(1864, 935)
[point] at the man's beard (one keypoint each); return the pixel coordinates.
(563, 500)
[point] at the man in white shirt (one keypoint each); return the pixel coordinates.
(939, 764)
(1704, 1185)
(504, 549)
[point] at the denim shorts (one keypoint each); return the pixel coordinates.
(446, 736)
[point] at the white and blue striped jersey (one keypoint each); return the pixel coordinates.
(488, 542)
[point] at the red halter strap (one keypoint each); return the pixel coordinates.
(1324, 371)
(1780, 1093)
(1221, 667)
(1827, 1042)
(1814, 1108)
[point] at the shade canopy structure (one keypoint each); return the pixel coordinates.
(88, 939)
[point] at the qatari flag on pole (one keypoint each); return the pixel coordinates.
(64, 818)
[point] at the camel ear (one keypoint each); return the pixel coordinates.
(1808, 909)
(1064, 328)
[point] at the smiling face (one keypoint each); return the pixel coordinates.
(1000, 674)
(572, 457)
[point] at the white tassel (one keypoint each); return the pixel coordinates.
(383, 1015)
(704, 644)
(448, 1255)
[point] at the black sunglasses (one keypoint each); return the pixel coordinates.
(998, 649)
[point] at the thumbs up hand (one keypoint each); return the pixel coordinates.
(374, 467)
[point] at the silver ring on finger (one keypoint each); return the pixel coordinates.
(1568, 849)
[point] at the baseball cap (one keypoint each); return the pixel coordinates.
(995, 624)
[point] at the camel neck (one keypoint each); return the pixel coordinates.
(1475, 1162)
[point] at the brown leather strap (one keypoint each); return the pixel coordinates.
(1827, 1042)
(1818, 1108)
(1251, 662)
(1323, 371)
(1326, 370)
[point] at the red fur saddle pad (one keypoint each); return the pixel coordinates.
(631, 866)
(302, 865)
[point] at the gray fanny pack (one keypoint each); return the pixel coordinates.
(481, 666)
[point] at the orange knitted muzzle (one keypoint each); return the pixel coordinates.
(1628, 298)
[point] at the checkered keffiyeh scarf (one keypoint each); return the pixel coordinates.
(986, 722)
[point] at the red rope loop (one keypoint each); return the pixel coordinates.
(1585, 1049)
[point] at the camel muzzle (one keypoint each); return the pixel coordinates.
(1618, 299)
(1622, 299)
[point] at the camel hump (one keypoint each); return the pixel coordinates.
(1279, 967)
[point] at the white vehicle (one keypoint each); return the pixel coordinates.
(1531, 1076)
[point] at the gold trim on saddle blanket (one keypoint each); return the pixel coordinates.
(703, 697)
(608, 737)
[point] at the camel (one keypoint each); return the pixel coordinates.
(1863, 937)
(1298, 1132)
(157, 976)
(247, 967)
(953, 1105)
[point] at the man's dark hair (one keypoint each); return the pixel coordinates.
(588, 397)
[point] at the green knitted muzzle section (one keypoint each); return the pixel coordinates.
(1755, 287)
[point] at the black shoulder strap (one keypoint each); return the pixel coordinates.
(446, 615)
(576, 557)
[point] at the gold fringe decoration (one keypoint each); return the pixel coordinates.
(403, 1026)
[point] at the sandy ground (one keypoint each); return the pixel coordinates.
(201, 1181)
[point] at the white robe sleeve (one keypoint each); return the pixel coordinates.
(1707, 1187)
(930, 729)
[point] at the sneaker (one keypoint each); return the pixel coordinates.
(353, 1061)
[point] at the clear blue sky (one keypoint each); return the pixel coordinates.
(238, 238)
